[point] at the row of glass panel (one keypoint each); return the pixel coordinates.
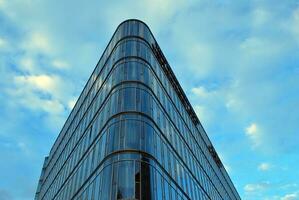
(137, 48)
(87, 102)
(163, 95)
(128, 95)
(128, 28)
(131, 179)
(137, 68)
(124, 107)
(190, 130)
(131, 132)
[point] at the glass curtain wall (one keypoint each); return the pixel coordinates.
(131, 135)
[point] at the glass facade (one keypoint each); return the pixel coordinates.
(133, 133)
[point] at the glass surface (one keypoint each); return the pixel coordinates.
(145, 182)
(114, 193)
(125, 183)
(149, 142)
(132, 134)
(106, 183)
(159, 187)
(97, 188)
(128, 134)
(110, 140)
(137, 176)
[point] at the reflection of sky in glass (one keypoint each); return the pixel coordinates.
(237, 62)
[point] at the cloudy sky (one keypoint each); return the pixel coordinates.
(238, 63)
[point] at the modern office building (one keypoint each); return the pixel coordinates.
(133, 133)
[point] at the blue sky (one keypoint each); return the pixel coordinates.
(238, 63)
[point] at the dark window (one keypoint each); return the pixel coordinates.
(145, 182)
(137, 180)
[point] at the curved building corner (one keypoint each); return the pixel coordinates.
(133, 133)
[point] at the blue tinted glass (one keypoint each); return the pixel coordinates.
(166, 190)
(103, 144)
(106, 183)
(114, 181)
(129, 99)
(132, 134)
(125, 183)
(149, 135)
(159, 187)
(113, 140)
(97, 188)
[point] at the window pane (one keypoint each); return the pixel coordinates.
(137, 180)
(113, 139)
(159, 187)
(132, 134)
(97, 188)
(166, 190)
(149, 136)
(145, 182)
(125, 188)
(114, 181)
(106, 183)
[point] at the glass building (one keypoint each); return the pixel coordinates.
(133, 133)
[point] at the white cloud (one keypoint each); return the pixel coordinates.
(251, 130)
(241, 48)
(44, 83)
(254, 134)
(27, 64)
(200, 91)
(256, 187)
(292, 196)
(38, 42)
(46, 93)
(2, 43)
(60, 64)
(28, 98)
(264, 166)
(2, 3)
